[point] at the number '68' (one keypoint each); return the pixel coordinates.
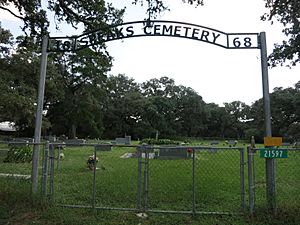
(246, 42)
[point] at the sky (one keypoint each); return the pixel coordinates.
(217, 74)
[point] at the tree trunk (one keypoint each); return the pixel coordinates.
(73, 132)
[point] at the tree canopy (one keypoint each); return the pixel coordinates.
(94, 14)
(81, 100)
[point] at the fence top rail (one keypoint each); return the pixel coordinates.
(137, 146)
(280, 148)
(22, 142)
(196, 148)
(148, 147)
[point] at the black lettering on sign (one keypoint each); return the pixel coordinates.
(167, 30)
(195, 33)
(186, 31)
(177, 30)
(156, 28)
(204, 35)
(129, 31)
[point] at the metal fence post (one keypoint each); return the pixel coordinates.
(242, 178)
(52, 158)
(139, 179)
(94, 180)
(45, 170)
(194, 183)
(250, 180)
(146, 178)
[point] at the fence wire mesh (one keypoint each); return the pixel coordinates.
(16, 164)
(287, 183)
(170, 184)
(111, 184)
(219, 180)
(206, 180)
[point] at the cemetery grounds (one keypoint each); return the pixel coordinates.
(217, 190)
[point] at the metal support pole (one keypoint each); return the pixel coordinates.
(38, 119)
(270, 163)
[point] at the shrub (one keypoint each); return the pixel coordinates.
(19, 154)
(152, 141)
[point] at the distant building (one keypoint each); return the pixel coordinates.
(7, 127)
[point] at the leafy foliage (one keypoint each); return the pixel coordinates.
(91, 14)
(288, 14)
(18, 154)
(151, 141)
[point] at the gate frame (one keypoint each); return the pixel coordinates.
(143, 162)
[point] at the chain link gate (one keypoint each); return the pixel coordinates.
(209, 180)
(287, 183)
(199, 179)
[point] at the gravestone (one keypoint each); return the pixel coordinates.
(173, 153)
(285, 144)
(23, 140)
(232, 143)
(50, 138)
(296, 144)
(212, 150)
(122, 141)
(103, 147)
(214, 142)
(74, 142)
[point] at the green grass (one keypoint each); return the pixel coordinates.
(217, 185)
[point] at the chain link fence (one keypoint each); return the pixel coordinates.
(16, 164)
(196, 179)
(287, 184)
(147, 178)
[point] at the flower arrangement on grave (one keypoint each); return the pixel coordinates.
(189, 152)
(92, 161)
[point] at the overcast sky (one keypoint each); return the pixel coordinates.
(219, 75)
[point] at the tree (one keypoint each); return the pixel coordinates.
(82, 75)
(217, 120)
(123, 109)
(189, 112)
(286, 12)
(239, 115)
(92, 14)
(18, 81)
(162, 97)
(6, 42)
(284, 110)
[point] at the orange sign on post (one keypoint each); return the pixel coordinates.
(272, 141)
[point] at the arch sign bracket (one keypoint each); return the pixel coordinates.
(155, 28)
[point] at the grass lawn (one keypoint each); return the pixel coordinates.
(217, 189)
